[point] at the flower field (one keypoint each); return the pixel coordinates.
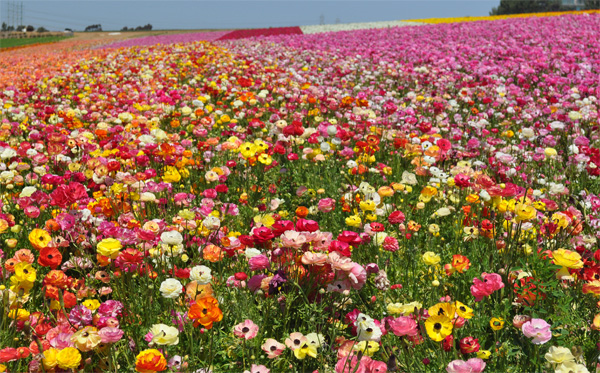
(408, 199)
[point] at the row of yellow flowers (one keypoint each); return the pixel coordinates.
(505, 16)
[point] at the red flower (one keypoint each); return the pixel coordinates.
(468, 345)
(50, 257)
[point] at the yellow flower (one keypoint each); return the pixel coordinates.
(403, 309)
(484, 354)
(443, 309)
(109, 247)
(497, 323)
(91, 304)
(367, 205)
(550, 152)
(19, 314)
(430, 258)
(566, 258)
(39, 238)
(463, 310)
(25, 272)
(265, 159)
(438, 327)
(267, 220)
(68, 358)
(524, 212)
(49, 359)
(305, 350)
(171, 175)
(86, 339)
(353, 221)
(368, 348)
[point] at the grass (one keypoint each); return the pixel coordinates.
(17, 42)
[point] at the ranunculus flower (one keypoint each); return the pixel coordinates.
(474, 365)
(403, 325)
(247, 329)
(258, 262)
(164, 334)
(468, 345)
(171, 288)
(538, 330)
(559, 355)
(272, 348)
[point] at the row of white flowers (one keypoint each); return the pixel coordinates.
(315, 29)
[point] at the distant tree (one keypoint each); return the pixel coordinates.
(125, 29)
(4, 26)
(42, 29)
(591, 4)
(21, 27)
(30, 28)
(527, 6)
(97, 27)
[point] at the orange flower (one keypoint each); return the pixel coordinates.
(24, 255)
(592, 287)
(212, 253)
(461, 263)
(205, 311)
(56, 278)
(301, 212)
(149, 361)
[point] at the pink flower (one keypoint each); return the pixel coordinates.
(377, 366)
(348, 364)
(403, 325)
(272, 348)
(296, 340)
(390, 244)
(258, 369)
(537, 329)
(246, 329)
(110, 335)
(258, 263)
(481, 289)
(358, 276)
(326, 205)
(474, 365)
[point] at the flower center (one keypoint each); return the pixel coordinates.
(245, 329)
(437, 326)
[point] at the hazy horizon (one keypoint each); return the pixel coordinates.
(182, 15)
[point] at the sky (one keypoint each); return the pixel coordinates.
(226, 14)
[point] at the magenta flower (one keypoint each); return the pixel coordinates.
(258, 263)
(481, 289)
(474, 365)
(537, 329)
(246, 329)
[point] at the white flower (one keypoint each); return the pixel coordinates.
(171, 238)
(559, 355)
(211, 222)
(251, 252)
(315, 339)
(164, 335)
(171, 288)
(366, 329)
(571, 367)
(408, 178)
(27, 191)
(201, 274)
